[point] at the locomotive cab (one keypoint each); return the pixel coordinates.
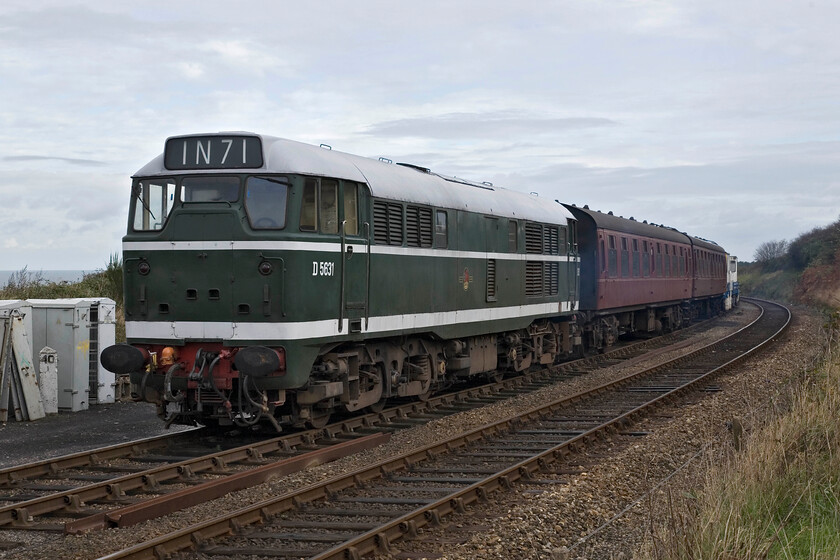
(203, 250)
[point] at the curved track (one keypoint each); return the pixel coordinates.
(363, 511)
(76, 493)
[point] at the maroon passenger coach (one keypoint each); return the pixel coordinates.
(636, 276)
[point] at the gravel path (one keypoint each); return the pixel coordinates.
(530, 521)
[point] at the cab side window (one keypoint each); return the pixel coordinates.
(309, 206)
(319, 206)
(328, 206)
(441, 231)
(351, 209)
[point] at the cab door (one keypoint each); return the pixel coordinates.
(355, 257)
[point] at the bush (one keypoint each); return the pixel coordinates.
(108, 283)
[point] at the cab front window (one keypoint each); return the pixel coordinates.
(154, 201)
(210, 189)
(265, 202)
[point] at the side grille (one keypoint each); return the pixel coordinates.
(387, 223)
(552, 278)
(418, 226)
(533, 239)
(533, 278)
(551, 242)
(542, 279)
(491, 280)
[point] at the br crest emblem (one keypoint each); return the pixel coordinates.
(465, 279)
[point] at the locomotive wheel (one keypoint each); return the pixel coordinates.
(425, 396)
(371, 396)
(379, 406)
(495, 376)
(319, 418)
(310, 416)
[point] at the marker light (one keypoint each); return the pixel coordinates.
(168, 356)
(265, 268)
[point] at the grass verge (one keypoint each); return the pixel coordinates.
(779, 498)
(107, 282)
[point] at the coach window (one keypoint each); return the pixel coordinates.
(441, 231)
(660, 267)
(351, 209)
(645, 259)
(265, 202)
(613, 258)
(625, 258)
(636, 259)
(154, 202)
(603, 258)
(674, 261)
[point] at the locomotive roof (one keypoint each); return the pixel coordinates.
(406, 183)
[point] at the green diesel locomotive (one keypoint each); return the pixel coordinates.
(270, 281)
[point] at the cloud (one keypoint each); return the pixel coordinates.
(72, 161)
(667, 111)
(482, 125)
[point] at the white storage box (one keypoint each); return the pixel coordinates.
(78, 329)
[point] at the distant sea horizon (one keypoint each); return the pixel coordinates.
(70, 276)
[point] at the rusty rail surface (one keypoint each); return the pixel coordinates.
(169, 503)
(72, 502)
(406, 476)
(49, 467)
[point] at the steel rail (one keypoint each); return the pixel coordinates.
(380, 538)
(407, 524)
(49, 467)
(21, 514)
(169, 503)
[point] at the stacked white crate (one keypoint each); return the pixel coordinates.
(65, 325)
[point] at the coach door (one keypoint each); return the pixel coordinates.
(355, 258)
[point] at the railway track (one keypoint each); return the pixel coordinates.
(364, 511)
(106, 487)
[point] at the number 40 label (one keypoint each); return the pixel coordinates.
(323, 268)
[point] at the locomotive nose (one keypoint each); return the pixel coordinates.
(123, 358)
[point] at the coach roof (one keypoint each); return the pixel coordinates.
(624, 225)
(404, 183)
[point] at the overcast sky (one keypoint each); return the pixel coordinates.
(720, 118)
